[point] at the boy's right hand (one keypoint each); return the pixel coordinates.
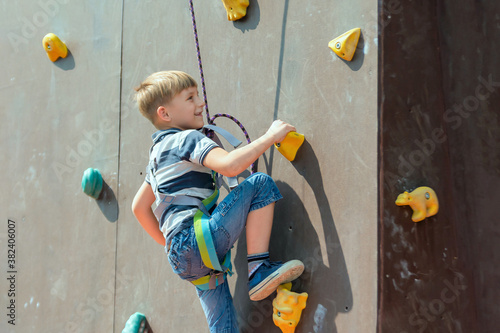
(279, 129)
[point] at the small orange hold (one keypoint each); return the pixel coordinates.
(54, 47)
(345, 45)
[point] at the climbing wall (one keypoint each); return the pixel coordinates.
(85, 265)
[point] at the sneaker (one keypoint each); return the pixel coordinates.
(270, 275)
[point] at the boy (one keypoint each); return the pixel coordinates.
(182, 162)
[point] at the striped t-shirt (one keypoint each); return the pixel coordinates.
(179, 170)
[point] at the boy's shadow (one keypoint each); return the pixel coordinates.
(294, 237)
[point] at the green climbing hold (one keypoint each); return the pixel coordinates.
(135, 324)
(92, 183)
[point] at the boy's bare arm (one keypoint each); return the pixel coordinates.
(141, 207)
(235, 162)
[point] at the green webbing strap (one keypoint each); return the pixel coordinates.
(203, 234)
(205, 241)
(207, 248)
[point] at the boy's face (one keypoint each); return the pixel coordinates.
(186, 110)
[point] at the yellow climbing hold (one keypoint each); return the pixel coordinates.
(290, 145)
(235, 9)
(287, 308)
(345, 45)
(422, 200)
(54, 47)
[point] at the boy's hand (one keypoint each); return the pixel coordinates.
(141, 206)
(235, 162)
(279, 129)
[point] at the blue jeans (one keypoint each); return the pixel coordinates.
(226, 223)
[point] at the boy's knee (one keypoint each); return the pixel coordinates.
(263, 176)
(263, 180)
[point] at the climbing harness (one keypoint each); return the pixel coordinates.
(201, 218)
(207, 248)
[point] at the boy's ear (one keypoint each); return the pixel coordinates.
(162, 113)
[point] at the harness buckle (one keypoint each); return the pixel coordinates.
(216, 279)
(167, 199)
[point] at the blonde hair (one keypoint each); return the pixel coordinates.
(159, 89)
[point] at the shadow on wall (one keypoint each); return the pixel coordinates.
(294, 237)
(107, 203)
(67, 63)
(359, 55)
(251, 20)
